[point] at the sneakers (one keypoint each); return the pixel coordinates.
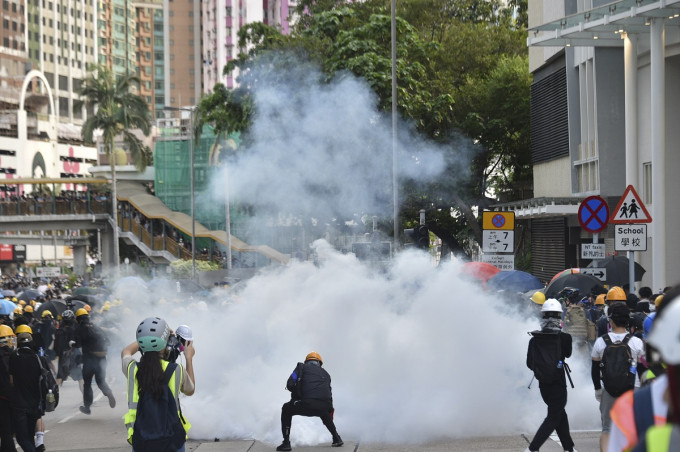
(40, 448)
(337, 442)
(85, 409)
(112, 400)
(285, 445)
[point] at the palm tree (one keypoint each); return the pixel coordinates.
(118, 113)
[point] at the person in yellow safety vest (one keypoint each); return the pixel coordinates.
(152, 339)
(646, 420)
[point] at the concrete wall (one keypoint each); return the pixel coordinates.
(545, 181)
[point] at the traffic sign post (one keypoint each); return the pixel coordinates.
(599, 273)
(630, 237)
(593, 214)
(630, 209)
(498, 236)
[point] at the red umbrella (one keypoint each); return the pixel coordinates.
(480, 270)
(568, 271)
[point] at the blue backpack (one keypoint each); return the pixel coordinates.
(158, 427)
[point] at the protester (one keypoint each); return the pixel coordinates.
(546, 354)
(311, 395)
(636, 411)
(607, 361)
(69, 357)
(147, 377)
(7, 342)
(93, 344)
(25, 398)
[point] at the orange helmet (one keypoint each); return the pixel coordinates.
(313, 356)
(87, 307)
(28, 308)
(616, 294)
(600, 299)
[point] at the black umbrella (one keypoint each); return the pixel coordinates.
(56, 306)
(584, 283)
(92, 300)
(29, 294)
(617, 270)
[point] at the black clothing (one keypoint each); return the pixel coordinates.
(93, 344)
(64, 334)
(315, 398)
(602, 325)
(24, 366)
(46, 331)
(6, 439)
(555, 396)
(544, 340)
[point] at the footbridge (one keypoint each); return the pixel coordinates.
(35, 217)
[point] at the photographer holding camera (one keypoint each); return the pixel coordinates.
(177, 342)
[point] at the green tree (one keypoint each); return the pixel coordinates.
(118, 113)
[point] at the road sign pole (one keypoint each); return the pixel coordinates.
(596, 238)
(631, 271)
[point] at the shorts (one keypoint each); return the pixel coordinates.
(606, 405)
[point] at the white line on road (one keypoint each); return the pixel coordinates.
(68, 418)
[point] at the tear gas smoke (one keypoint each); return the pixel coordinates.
(415, 354)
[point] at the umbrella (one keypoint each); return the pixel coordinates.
(6, 307)
(84, 290)
(584, 283)
(56, 306)
(8, 293)
(617, 270)
(514, 281)
(565, 272)
(480, 270)
(30, 294)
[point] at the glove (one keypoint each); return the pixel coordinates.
(598, 395)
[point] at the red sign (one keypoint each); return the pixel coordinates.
(630, 209)
(6, 252)
(593, 214)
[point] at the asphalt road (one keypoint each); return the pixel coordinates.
(67, 429)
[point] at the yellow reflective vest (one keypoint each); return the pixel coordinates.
(133, 395)
(663, 438)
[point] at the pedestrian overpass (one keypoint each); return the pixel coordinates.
(35, 217)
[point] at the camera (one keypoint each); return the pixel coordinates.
(173, 349)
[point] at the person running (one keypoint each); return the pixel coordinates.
(70, 358)
(619, 318)
(7, 341)
(146, 376)
(311, 395)
(24, 370)
(93, 344)
(551, 381)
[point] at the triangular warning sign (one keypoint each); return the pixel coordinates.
(630, 209)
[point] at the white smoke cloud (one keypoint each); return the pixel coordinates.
(415, 354)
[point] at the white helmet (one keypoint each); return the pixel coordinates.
(664, 335)
(185, 333)
(551, 305)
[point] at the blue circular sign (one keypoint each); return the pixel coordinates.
(593, 214)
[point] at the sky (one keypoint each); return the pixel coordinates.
(416, 352)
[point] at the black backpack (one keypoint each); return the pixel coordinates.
(545, 357)
(49, 389)
(615, 366)
(158, 427)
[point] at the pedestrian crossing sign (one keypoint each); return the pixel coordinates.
(630, 209)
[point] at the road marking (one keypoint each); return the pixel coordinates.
(68, 418)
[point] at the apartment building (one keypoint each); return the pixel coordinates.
(604, 103)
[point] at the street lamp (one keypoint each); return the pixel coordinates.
(191, 157)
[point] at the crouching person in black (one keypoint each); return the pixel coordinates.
(548, 348)
(311, 395)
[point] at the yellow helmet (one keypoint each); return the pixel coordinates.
(23, 329)
(658, 300)
(313, 356)
(5, 331)
(28, 308)
(6, 336)
(538, 297)
(33, 303)
(600, 299)
(616, 294)
(81, 311)
(18, 310)
(46, 313)
(21, 302)
(14, 299)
